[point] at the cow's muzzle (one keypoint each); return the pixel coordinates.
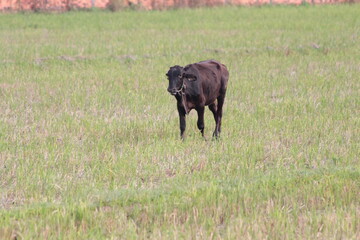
(173, 91)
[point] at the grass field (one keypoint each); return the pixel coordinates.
(89, 138)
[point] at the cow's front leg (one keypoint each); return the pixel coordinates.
(182, 119)
(200, 122)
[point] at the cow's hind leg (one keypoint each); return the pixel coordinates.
(213, 109)
(220, 101)
(200, 122)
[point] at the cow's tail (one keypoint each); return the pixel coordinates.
(224, 78)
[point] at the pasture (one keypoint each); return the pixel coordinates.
(89, 137)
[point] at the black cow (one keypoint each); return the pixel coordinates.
(198, 85)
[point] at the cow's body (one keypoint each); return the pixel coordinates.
(198, 85)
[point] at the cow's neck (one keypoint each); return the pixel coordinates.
(183, 101)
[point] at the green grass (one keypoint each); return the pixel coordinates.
(89, 137)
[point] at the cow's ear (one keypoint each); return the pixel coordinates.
(190, 77)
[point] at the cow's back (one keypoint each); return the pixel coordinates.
(219, 72)
(213, 79)
(216, 67)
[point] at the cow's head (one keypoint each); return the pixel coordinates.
(176, 80)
